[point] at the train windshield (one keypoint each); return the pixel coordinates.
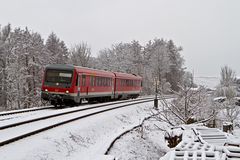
(61, 78)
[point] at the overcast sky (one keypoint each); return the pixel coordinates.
(208, 30)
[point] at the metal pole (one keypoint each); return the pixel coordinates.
(156, 100)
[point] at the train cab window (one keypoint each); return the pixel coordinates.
(83, 80)
(76, 81)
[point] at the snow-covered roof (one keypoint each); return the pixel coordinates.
(206, 147)
(193, 155)
(219, 98)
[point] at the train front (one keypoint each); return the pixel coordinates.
(57, 84)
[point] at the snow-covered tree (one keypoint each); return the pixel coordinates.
(122, 57)
(228, 110)
(154, 62)
(175, 75)
(4, 34)
(105, 60)
(58, 51)
(26, 60)
(159, 61)
(80, 55)
(228, 76)
(187, 80)
(191, 105)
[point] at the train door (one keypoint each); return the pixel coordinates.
(78, 85)
(112, 85)
(92, 85)
(84, 85)
(78, 97)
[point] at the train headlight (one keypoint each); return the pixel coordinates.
(67, 91)
(46, 90)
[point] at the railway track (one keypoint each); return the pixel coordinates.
(24, 111)
(5, 113)
(22, 129)
(65, 112)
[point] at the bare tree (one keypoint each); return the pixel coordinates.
(228, 110)
(80, 55)
(227, 76)
(191, 106)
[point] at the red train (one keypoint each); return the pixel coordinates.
(69, 85)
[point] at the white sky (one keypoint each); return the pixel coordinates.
(208, 30)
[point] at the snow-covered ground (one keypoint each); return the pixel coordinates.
(86, 139)
(144, 143)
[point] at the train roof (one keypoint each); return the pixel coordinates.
(60, 66)
(127, 75)
(92, 71)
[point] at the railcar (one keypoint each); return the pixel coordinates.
(69, 85)
(127, 85)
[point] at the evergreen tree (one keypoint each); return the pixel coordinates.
(4, 34)
(26, 61)
(175, 75)
(57, 49)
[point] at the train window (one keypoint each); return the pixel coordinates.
(97, 81)
(92, 80)
(104, 81)
(100, 81)
(83, 80)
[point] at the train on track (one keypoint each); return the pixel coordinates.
(69, 85)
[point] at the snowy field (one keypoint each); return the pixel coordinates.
(144, 143)
(86, 139)
(209, 82)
